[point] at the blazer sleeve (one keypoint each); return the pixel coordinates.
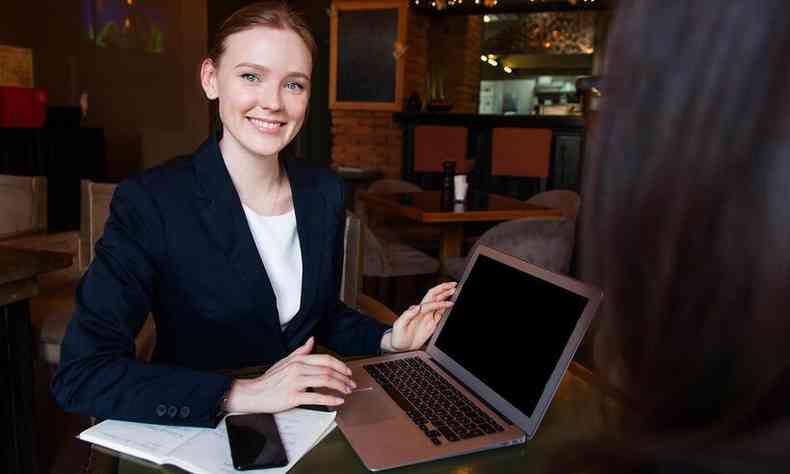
(99, 374)
(342, 329)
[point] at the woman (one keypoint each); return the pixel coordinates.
(687, 228)
(236, 253)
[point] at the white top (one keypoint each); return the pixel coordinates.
(278, 244)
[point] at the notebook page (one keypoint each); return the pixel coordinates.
(150, 442)
(209, 452)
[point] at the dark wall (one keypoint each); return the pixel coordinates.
(150, 106)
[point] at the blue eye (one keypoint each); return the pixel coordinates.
(249, 77)
(294, 86)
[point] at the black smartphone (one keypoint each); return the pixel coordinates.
(255, 441)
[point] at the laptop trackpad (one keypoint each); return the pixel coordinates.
(367, 406)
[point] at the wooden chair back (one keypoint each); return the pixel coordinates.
(353, 269)
(95, 209)
(23, 205)
(352, 263)
(521, 152)
(96, 198)
(435, 144)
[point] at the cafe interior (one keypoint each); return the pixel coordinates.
(453, 124)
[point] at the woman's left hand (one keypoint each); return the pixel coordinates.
(416, 325)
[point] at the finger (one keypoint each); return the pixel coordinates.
(304, 349)
(316, 370)
(433, 292)
(323, 381)
(445, 295)
(429, 308)
(324, 360)
(408, 316)
(312, 398)
(424, 332)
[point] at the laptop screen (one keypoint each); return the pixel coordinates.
(509, 329)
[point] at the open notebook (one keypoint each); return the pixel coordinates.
(206, 450)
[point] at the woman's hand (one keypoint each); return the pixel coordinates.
(284, 385)
(416, 325)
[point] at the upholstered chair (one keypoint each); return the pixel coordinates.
(563, 199)
(544, 242)
(547, 243)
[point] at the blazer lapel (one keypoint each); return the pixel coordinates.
(310, 207)
(225, 221)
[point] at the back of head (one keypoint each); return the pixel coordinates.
(687, 228)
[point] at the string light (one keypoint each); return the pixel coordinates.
(445, 4)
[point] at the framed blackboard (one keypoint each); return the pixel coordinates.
(367, 46)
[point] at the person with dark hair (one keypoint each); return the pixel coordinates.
(686, 227)
(235, 252)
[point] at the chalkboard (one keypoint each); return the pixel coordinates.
(366, 74)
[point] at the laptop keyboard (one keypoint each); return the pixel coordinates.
(434, 405)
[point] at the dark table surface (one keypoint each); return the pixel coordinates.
(17, 265)
(582, 406)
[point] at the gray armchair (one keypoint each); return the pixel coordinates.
(547, 243)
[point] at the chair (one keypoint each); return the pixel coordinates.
(23, 207)
(563, 199)
(95, 201)
(23, 217)
(388, 262)
(23, 223)
(547, 243)
(518, 153)
(353, 264)
(435, 144)
(421, 236)
(51, 310)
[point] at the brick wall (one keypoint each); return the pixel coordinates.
(455, 49)
(469, 89)
(368, 139)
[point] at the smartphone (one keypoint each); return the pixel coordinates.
(255, 441)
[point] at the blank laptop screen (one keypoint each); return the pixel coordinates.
(509, 329)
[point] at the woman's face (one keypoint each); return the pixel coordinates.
(263, 87)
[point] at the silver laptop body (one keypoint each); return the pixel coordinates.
(385, 436)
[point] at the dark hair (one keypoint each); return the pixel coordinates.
(274, 14)
(687, 228)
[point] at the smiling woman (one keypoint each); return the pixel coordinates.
(263, 92)
(236, 252)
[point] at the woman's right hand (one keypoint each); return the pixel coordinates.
(284, 385)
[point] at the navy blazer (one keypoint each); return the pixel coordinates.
(177, 245)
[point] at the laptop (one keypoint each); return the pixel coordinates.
(485, 378)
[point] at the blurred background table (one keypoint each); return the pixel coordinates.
(18, 272)
(427, 207)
